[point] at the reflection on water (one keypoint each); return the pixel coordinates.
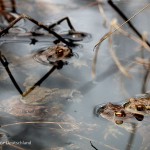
(67, 122)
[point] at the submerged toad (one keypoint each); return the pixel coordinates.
(51, 54)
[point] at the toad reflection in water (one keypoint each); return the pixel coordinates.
(124, 116)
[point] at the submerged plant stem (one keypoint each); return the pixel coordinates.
(93, 146)
(37, 122)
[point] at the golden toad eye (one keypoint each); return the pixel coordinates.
(118, 122)
(59, 53)
(120, 114)
(140, 107)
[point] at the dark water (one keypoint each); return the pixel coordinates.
(72, 124)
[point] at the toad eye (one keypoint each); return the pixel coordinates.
(118, 122)
(59, 52)
(120, 114)
(140, 107)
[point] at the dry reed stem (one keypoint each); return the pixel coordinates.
(122, 69)
(122, 85)
(108, 34)
(97, 46)
(142, 61)
(106, 22)
(94, 62)
(147, 69)
(101, 10)
(131, 36)
(41, 122)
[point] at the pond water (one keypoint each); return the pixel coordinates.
(71, 124)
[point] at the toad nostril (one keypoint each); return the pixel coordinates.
(99, 109)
